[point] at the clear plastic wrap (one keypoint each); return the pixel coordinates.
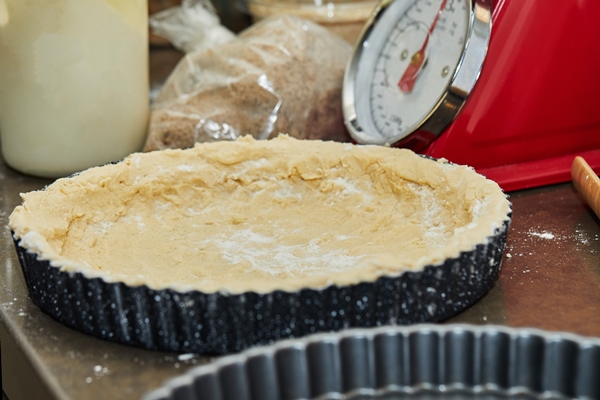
(281, 75)
(193, 26)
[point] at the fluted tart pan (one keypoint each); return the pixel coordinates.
(235, 244)
(417, 362)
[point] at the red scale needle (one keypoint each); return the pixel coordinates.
(408, 79)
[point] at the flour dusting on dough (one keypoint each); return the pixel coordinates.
(270, 255)
(432, 219)
(251, 215)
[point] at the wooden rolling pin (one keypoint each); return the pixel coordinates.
(586, 182)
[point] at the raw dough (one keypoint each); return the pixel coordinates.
(260, 215)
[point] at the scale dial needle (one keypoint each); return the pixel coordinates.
(409, 77)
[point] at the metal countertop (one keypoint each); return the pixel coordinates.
(550, 279)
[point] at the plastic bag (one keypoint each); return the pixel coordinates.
(193, 26)
(281, 75)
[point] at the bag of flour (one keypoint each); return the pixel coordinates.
(281, 75)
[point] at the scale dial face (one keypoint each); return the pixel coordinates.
(405, 64)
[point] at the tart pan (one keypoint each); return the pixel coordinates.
(219, 323)
(418, 362)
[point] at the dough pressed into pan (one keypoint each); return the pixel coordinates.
(259, 216)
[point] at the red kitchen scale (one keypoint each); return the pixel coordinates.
(509, 87)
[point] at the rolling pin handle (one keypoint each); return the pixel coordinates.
(587, 183)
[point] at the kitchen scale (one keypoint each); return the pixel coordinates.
(508, 87)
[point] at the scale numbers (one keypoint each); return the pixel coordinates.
(405, 64)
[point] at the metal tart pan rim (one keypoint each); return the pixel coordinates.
(489, 360)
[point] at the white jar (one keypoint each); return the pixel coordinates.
(73, 83)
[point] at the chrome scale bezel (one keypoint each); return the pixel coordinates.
(448, 105)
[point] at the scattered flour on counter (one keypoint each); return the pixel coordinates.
(584, 237)
(543, 235)
(99, 370)
(580, 239)
(581, 236)
(186, 357)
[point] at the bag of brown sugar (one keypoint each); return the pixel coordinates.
(281, 75)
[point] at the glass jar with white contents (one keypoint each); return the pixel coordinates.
(73, 83)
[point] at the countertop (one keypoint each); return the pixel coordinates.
(550, 279)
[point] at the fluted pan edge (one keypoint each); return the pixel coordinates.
(398, 362)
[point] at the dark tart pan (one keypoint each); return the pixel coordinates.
(418, 362)
(217, 323)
